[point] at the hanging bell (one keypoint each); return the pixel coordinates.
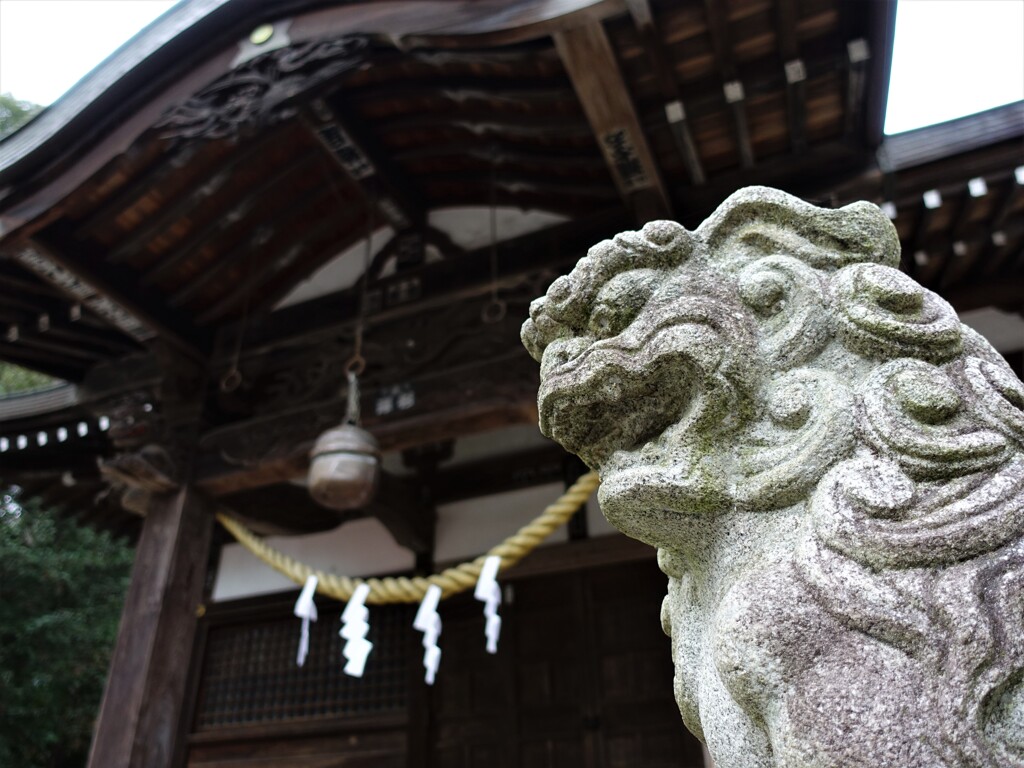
(344, 468)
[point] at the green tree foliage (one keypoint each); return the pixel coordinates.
(14, 113)
(15, 379)
(62, 588)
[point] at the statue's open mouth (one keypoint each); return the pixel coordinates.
(600, 406)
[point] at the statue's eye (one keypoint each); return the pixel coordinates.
(608, 320)
(620, 301)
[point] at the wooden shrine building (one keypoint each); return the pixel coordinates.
(183, 240)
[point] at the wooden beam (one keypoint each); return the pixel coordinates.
(732, 87)
(401, 246)
(31, 338)
(504, 154)
(438, 284)
(590, 61)
(443, 242)
(509, 472)
(142, 704)
(484, 415)
(575, 556)
(981, 245)
(283, 509)
(78, 292)
(106, 289)
(305, 264)
(962, 250)
(51, 318)
(675, 111)
(924, 272)
(287, 509)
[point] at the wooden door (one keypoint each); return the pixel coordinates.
(583, 678)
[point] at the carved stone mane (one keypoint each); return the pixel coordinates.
(832, 468)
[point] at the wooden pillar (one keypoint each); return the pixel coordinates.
(142, 703)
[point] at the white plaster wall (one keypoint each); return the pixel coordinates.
(469, 528)
(359, 548)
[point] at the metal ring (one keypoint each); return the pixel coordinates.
(355, 365)
(493, 311)
(231, 381)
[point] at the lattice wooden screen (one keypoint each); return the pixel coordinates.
(249, 672)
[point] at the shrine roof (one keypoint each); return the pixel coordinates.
(208, 189)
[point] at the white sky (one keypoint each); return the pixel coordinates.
(952, 57)
(46, 46)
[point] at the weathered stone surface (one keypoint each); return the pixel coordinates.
(831, 466)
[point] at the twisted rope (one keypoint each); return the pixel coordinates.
(402, 589)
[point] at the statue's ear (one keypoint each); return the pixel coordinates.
(757, 221)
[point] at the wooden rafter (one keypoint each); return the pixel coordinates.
(858, 55)
(127, 195)
(796, 73)
(51, 318)
(675, 111)
(924, 272)
(316, 245)
(590, 61)
(235, 217)
(733, 89)
(995, 255)
(247, 247)
(173, 210)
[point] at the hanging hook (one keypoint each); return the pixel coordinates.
(493, 311)
(355, 366)
(231, 380)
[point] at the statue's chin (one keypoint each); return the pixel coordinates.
(653, 503)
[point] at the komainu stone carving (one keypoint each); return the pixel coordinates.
(832, 468)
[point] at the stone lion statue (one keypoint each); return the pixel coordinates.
(832, 469)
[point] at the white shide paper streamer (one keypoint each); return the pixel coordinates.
(428, 622)
(489, 592)
(354, 627)
(305, 609)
